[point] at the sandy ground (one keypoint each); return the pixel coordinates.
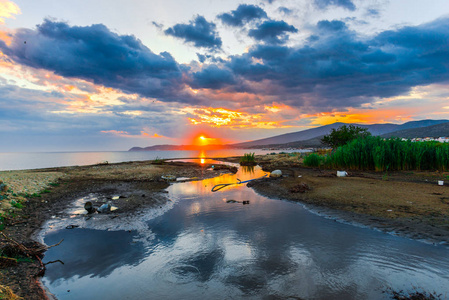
(408, 203)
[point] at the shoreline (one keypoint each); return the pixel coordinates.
(138, 185)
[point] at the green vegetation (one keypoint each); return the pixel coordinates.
(16, 204)
(158, 160)
(375, 153)
(343, 135)
(313, 160)
(248, 159)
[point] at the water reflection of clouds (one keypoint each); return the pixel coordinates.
(83, 254)
(206, 248)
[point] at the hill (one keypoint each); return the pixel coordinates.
(438, 130)
(311, 134)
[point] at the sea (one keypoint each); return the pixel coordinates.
(39, 160)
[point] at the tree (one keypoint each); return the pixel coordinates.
(344, 134)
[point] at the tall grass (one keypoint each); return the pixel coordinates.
(248, 159)
(375, 153)
(313, 160)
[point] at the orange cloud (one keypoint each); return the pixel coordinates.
(7, 10)
(126, 134)
(115, 132)
(144, 134)
(221, 117)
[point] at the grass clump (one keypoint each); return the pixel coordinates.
(248, 159)
(313, 160)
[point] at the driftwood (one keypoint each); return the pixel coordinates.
(12, 249)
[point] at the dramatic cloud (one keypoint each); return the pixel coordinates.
(199, 32)
(323, 4)
(332, 26)
(96, 54)
(212, 77)
(335, 70)
(243, 14)
(343, 70)
(272, 32)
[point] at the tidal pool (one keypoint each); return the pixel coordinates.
(208, 247)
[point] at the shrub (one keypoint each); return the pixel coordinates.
(344, 134)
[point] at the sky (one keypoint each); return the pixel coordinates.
(82, 75)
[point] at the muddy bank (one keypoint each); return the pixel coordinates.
(410, 205)
(49, 193)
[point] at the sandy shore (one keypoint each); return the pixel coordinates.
(407, 203)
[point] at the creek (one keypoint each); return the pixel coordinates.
(207, 245)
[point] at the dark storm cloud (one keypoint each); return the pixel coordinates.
(331, 25)
(272, 32)
(323, 4)
(212, 77)
(334, 69)
(340, 69)
(199, 32)
(243, 14)
(96, 54)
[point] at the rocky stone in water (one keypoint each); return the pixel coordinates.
(105, 208)
(276, 173)
(89, 207)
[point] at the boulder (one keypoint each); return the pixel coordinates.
(276, 173)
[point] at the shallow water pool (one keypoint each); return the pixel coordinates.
(211, 246)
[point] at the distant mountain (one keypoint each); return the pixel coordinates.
(436, 131)
(311, 137)
(311, 134)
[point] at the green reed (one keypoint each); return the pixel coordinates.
(375, 153)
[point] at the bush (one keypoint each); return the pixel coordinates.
(343, 135)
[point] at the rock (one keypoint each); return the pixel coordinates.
(276, 173)
(89, 207)
(105, 208)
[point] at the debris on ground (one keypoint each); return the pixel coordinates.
(300, 188)
(89, 207)
(105, 207)
(168, 177)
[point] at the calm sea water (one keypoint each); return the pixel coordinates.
(37, 160)
(206, 245)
